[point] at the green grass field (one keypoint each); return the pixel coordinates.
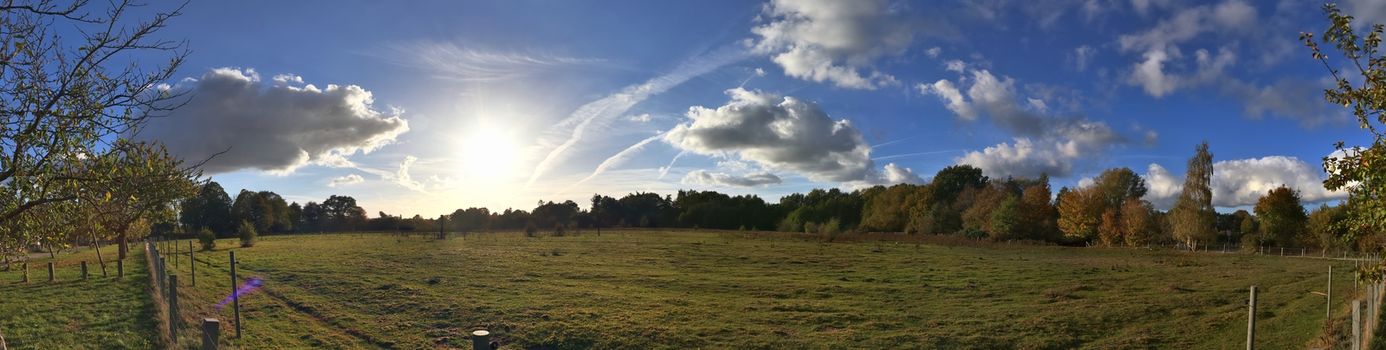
(70, 313)
(669, 289)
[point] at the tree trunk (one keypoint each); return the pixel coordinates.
(124, 246)
(2, 342)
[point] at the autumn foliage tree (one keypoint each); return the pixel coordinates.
(1282, 216)
(1192, 217)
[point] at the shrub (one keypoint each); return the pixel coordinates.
(247, 234)
(207, 238)
(559, 231)
(831, 229)
(530, 230)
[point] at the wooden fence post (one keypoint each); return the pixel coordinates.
(26, 271)
(173, 308)
(50, 271)
(1251, 321)
(84, 269)
(192, 264)
(1357, 324)
(211, 331)
(1328, 306)
(481, 340)
(235, 296)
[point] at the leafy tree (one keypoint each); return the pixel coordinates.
(1038, 215)
(73, 83)
(1282, 216)
(951, 181)
(1006, 220)
(210, 208)
(1080, 214)
(1361, 171)
(1110, 232)
(1192, 217)
(1325, 225)
(1137, 222)
(1117, 185)
(247, 234)
(207, 238)
(143, 184)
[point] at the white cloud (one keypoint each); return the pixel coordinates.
(1082, 57)
(288, 78)
(272, 127)
(1241, 182)
(702, 177)
(933, 52)
(349, 179)
(1041, 144)
(1159, 45)
(640, 118)
(776, 133)
(1365, 12)
(833, 41)
(955, 66)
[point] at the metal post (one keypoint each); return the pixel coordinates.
(235, 297)
(50, 271)
(1251, 321)
(173, 307)
(481, 340)
(1357, 324)
(211, 331)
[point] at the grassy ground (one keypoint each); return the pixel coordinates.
(728, 290)
(97, 313)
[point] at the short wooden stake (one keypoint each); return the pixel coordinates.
(1251, 321)
(192, 265)
(1328, 306)
(211, 332)
(84, 269)
(50, 272)
(481, 340)
(26, 272)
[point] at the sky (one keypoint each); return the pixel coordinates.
(427, 107)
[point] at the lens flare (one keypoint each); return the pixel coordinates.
(248, 287)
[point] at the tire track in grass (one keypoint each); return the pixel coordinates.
(310, 312)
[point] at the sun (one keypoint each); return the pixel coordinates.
(489, 152)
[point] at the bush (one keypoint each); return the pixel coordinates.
(207, 238)
(247, 234)
(559, 230)
(831, 229)
(530, 230)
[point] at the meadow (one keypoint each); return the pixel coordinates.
(682, 289)
(71, 313)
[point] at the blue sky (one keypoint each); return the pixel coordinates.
(426, 107)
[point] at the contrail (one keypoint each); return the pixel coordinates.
(665, 170)
(603, 111)
(916, 154)
(617, 159)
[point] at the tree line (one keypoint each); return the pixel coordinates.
(960, 200)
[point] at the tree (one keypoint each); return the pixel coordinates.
(1037, 212)
(1137, 222)
(65, 100)
(1117, 185)
(1360, 171)
(1325, 225)
(1192, 217)
(1080, 213)
(247, 234)
(210, 208)
(143, 184)
(1282, 216)
(951, 181)
(1110, 232)
(1006, 220)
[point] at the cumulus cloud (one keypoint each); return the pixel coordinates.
(1159, 45)
(834, 41)
(1082, 57)
(1365, 12)
(1241, 182)
(704, 178)
(777, 133)
(272, 127)
(1041, 144)
(350, 179)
